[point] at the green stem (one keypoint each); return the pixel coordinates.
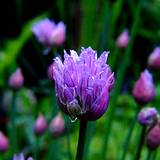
(149, 154)
(118, 5)
(37, 147)
(114, 58)
(52, 152)
(69, 146)
(154, 155)
(105, 30)
(141, 142)
(2, 156)
(68, 139)
(13, 123)
(128, 137)
(120, 77)
(81, 140)
(89, 134)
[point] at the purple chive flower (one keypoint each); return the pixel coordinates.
(49, 33)
(154, 59)
(143, 90)
(57, 125)
(4, 144)
(153, 137)
(147, 116)
(40, 125)
(16, 80)
(21, 157)
(83, 83)
(123, 39)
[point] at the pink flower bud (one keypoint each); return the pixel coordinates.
(40, 125)
(50, 72)
(123, 39)
(154, 59)
(3, 142)
(148, 116)
(143, 90)
(49, 33)
(153, 137)
(57, 125)
(16, 80)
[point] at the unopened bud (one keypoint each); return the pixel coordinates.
(153, 137)
(50, 72)
(148, 116)
(57, 125)
(16, 80)
(154, 59)
(3, 142)
(40, 125)
(143, 90)
(123, 39)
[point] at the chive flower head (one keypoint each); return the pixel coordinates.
(83, 83)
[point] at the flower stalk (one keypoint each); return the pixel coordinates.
(128, 137)
(149, 154)
(141, 142)
(13, 123)
(81, 140)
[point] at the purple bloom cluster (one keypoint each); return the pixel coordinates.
(83, 83)
(143, 90)
(49, 33)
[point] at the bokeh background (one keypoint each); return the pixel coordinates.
(88, 23)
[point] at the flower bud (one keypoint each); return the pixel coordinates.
(153, 137)
(123, 39)
(143, 90)
(40, 125)
(57, 125)
(48, 33)
(50, 72)
(148, 116)
(16, 80)
(3, 142)
(154, 59)
(21, 157)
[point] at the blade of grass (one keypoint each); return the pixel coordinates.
(119, 80)
(88, 23)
